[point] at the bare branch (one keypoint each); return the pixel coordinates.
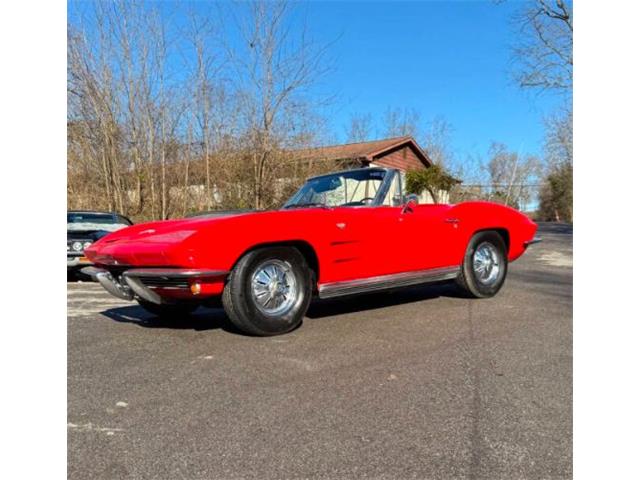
(543, 56)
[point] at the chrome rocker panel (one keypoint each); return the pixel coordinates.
(384, 282)
(133, 286)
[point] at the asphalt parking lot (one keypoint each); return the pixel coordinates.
(417, 383)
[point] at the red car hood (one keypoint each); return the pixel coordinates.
(151, 243)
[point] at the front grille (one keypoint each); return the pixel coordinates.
(70, 242)
(164, 282)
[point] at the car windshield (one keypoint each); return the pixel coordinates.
(343, 189)
(95, 220)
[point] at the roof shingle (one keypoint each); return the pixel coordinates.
(367, 151)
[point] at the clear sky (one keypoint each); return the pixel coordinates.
(441, 58)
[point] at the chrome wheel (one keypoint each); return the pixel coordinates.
(274, 288)
(486, 263)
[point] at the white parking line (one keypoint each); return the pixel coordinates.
(89, 427)
(90, 299)
(76, 293)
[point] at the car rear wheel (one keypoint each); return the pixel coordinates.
(268, 291)
(485, 265)
(169, 310)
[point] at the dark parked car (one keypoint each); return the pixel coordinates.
(84, 228)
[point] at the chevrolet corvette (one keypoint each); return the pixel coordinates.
(345, 233)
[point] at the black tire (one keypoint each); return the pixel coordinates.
(470, 281)
(241, 304)
(174, 311)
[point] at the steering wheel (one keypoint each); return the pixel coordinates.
(363, 201)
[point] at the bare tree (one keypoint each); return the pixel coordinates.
(360, 128)
(93, 118)
(434, 137)
(556, 195)
(399, 122)
(510, 172)
(276, 64)
(473, 170)
(559, 138)
(152, 137)
(437, 142)
(544, 60)
(544, 55)
(208, 92)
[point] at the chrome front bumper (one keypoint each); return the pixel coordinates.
(74, 262)
(139, 282)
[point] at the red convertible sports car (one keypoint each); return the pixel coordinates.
(344, 233)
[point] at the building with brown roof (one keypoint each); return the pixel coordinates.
(402, 153)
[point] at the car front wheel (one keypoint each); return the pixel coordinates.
(485, 265)
(268, 291)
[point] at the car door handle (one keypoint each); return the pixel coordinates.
(452, 220)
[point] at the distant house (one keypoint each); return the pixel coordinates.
(402, 153)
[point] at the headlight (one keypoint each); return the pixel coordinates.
(86, 245)
(76, 246)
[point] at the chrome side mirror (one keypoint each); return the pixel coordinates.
(410, 202)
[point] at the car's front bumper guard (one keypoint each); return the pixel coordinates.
(129, 285)
(533, 241)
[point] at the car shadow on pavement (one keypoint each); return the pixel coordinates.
(387, 298)
(215, 318)
(201, 320)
